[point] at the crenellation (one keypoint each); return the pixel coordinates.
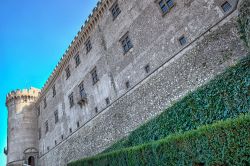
(110, 92)
(86, 29)
(32, 92)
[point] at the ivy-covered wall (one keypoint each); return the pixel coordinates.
(228, 95)
(225, 143)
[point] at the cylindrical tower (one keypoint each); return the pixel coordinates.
(22, 127)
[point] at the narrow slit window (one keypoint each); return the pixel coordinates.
(46, 127)
(67, 70)
(147, 68)
(71, 100)
(107, 101)
(54, 90)
(96, 110)
(127, 84)
(56, 116)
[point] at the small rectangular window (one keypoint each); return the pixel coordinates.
(46, 127)
(47, 148)
(39, 133)
(115, 10)
(96, 110)
(94, 76)
(183, 40)
(62, 137)
(107, 101)
(126, 43)
(88, 45)
(55, 142)
(54, 90)
(56, 116)
(127, 85)
(71, 100)
(226, 6)
(147, 68)
(70, 130)
(44, 102)
(67, 71)
(78, 124)
(166, 5)
(77, 59)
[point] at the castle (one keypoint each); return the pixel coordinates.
(130, 61)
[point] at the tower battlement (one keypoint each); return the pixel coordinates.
(26, 94)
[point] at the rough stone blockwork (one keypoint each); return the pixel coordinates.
(219, 48)
(57, 131)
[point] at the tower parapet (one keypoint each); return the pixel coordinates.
(25, 95)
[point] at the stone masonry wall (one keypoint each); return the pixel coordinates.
(176, 70)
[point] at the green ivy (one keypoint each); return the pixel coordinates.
(224, 143)
(228, 95)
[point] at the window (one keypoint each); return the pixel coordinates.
(55, 142)
(166, 5)
(71, 100)
(107, 101)
(70, 130)
(82, 91)
(77, 59)
(46, 127)
(47, 148)
(67, 70)
(226, 6)
(39, 133)
(127, 84)
(78, 124)
(96, 110)
(54, 90)
(38, 111)
(115, 10)
(126, 43)
(44, 102)
(94, 76)
(62, 137)
(183, 40)
(56, 116)
(88, 45)
(147, 68)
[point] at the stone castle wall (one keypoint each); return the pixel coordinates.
(213, 44)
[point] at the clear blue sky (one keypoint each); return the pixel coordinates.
(34, 34)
